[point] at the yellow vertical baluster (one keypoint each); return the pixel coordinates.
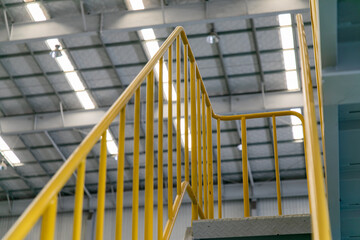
(160, 151)
(277, 171)
(186, 117)
(170, 136)
(193, 138)
(135, 189)
(206, 207)
(178, 116)
(245, 168)
(79, 196)
(120, 176)
(149, 157)
(210, 163)
(219, 168)
(101, 190)
(49, 220)
(198, 131)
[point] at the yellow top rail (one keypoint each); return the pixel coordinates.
(200, 187)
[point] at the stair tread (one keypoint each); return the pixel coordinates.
(252, 226)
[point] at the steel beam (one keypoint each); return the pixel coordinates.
(173, 15)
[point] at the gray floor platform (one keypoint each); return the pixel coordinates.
(278, 227)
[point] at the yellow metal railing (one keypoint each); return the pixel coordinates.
(197, 178)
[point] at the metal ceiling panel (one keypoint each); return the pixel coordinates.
(210, 67)
(291, 148)
(244, 84)
(101, 78)
(38, 182)
(262, 165)
(12, 49)
(53, 166)
(308, 32)
(47, 63)
(3, 72)
(230, 167)
(36, 139)
(230, 153)
(33, 85)
(235, 43)
(81, 41)
(20, 65)
(61, 8)
(196, 29)
(90, 58)
(59, 82)
(228, 138)
(284, 133)
(266, 21)
(8, 89)
(127, 54)
(292, 163)
(260, 135)
(231, 25)
(66, 137)
(162, 32)
(256, 122)
(38, 46)
(201, 48)
(272, 61)
(127, 74)
(30, 169)
(262, 150)
(20, 14)
(71, 101)
(9, 173)
(269, 39)
(14, 184)
(215, 87)
(91, 164)
(241, 64)
(106, 97)
(45, 154)
(91, 177)
(118, 37)
(24, 156)
(68, 150)
(15, 107)
(44, 104)
(275, 81)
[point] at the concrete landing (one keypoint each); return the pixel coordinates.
(254, 228)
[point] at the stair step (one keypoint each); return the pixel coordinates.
(272, 227)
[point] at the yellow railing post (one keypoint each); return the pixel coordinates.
(149, 158)
(186, 113)
(193, 139)
(277, 171)
(170, 136)
(206, 207)
(245, 168)
(49, 220)
(210, 164)
(79, 196)
(198, 132)
(160, 151)
(135, 189)
(120, 175)
(219, 168)
(317, 198)
(101, 190)
(178, 118)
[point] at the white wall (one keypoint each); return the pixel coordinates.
(231, 209)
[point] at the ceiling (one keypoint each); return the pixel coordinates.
(248, 56)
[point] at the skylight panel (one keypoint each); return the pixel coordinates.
(36, 13)
(8, 154)
(297, 128)
(85, 100)
(287, 38)
(110, 144)
(284, 19)
(74, 81)
(292, 82)
(136, 4)
(289, 60)
(148, 34)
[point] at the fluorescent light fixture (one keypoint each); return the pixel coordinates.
(292, 80)
(284, 19)
(148, 34)
(85, 100)
(136, 4)
(36, 13)
(9, 155)
(74, 81)
(297, 128)
(239, 147)
(289, 59)
(287, 38)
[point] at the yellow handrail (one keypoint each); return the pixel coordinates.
(200, 188)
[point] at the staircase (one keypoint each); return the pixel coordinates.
(195, 176)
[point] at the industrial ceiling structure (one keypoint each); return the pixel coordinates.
(44, 116)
